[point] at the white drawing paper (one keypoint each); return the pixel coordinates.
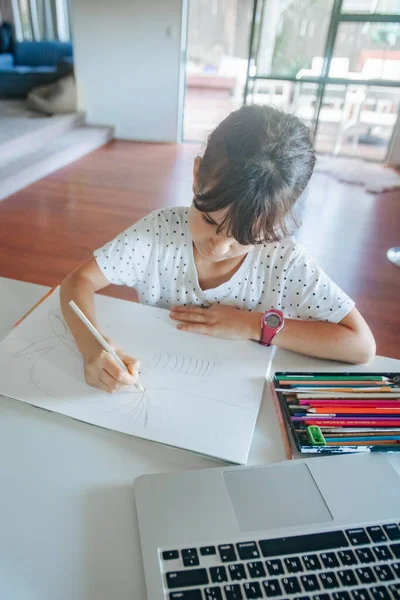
(202, 394)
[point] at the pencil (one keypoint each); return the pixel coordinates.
(332, 376)
(101, 340)
(384, 410)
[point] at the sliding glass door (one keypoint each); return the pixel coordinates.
(334, 63)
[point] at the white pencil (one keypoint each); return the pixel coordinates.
(100, 339)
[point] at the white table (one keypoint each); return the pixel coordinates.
(68, 527)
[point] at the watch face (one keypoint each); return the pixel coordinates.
(272, 321)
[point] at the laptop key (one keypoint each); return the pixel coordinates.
(293, 564)
(218, 574)
(365, 555)
(347, 577)
(384, 573)
(233, 592)
(291, 585)
(329, 580)
(182, 579)
(392, 531)
(237, 572)
(186, 595)
(256, 569)
(383, 553)
(377, 534)
(396, 569)
(303, 543)
(366, 575)
(311, 562)
(358, 536)
(187, 552)
(190, 557)
(342, 595)
(253, 590)
(395, 548)
(213, 593)
(395, 589)
(347, 557)
(247, 550)
(227, 553)
(207, 550)
(191, 561)
(329, 559)
(275, 567)
(360, 594)
(271, 588)
(379, 593)
(170, 554)
(321, 597)
(310, 583)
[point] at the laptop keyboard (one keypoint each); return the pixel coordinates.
(351, 564)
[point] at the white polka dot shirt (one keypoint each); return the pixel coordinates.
(155, 256)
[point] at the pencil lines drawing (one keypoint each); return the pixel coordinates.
(163, 372)
(61, 339)
(188, 365)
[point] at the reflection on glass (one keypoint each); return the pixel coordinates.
(216, 64)
(367, 51)
(357, 120)
(295, 98)
(372, 6)
(291, 35)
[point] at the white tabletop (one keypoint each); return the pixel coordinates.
(68, 526)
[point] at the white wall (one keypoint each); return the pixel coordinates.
(128, 65)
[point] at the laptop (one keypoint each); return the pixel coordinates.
(321, 528)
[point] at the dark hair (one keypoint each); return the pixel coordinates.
(257, 163)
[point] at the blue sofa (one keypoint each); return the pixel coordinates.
(33, 64)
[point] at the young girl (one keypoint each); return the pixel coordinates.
(222, 264)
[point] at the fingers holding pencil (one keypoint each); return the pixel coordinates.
(102, 371)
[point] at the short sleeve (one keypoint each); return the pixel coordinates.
(310, 294)
(123, 261)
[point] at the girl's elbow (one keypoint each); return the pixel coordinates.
(366, 350)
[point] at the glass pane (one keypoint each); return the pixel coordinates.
(357, 120)
(292, 36)
(216, 64)
(372, 6)
(367, 51)
(296, 98)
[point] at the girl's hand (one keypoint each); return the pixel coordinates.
(101, 370)
(219, 321)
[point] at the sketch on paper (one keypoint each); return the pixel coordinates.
(164, 371)
(202, 394)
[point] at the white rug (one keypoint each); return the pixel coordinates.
(373, 176)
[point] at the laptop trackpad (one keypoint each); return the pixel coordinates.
(278, 496)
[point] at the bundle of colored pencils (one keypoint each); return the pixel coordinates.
(343, 410)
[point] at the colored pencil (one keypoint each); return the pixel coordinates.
(333, 383)
(368, 443)
(349, 402)
(353, 422)
(370, 410)
(363, 430)
(315, 377)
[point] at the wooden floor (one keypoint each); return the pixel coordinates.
(47, 229)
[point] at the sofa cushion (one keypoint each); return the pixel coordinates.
(41, 54)
(6, 62)
(25, 70)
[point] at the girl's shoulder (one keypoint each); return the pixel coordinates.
(173, 215)
(285, 250)
(169, 221)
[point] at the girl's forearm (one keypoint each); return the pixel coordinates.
(332, 341)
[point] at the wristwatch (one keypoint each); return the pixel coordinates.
(272, 321)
